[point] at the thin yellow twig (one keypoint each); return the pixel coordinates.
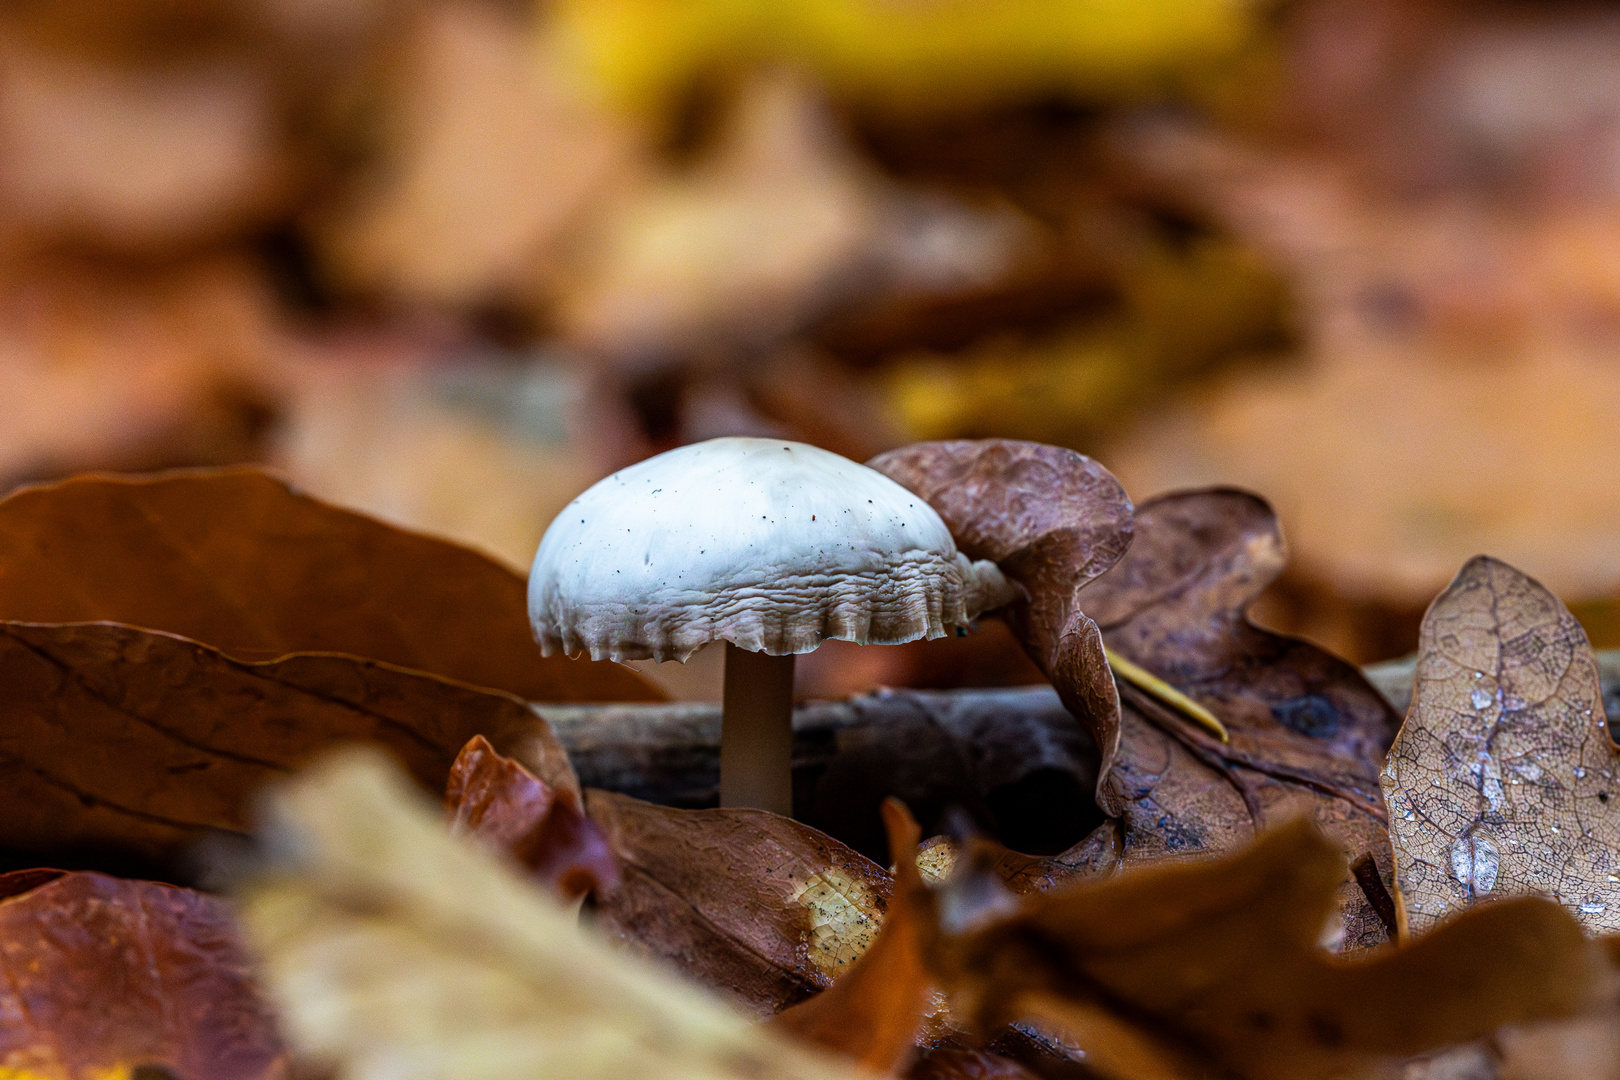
(1149, 683)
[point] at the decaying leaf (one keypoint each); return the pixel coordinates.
(1502, 781)
(496, 799)
(99, 975)
(1053, 520)
(1213, 966)
(1307, 731)
(137, 740)
(394, 949)
(873, 1011)
(758, 907)
(236, 559)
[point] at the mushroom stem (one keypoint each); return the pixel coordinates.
(756, 732)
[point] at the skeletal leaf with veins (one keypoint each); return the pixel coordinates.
(1503, 779)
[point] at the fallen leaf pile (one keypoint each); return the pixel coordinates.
(1240, 862)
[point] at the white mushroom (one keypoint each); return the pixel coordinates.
(770, 546)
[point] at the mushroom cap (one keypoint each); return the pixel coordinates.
(771, 545)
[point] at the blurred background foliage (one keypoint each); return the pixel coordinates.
(451, 261)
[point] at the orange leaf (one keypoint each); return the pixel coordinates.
(100, 974)
(498, 800)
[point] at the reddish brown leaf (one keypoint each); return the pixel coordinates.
(120, 737)
(1308, 732)
(497, 800)
(1053, 520)
(872, 1012)
(99, 973)
(762, 908)
(1193, 968)
(236, 559)
(1176, 603)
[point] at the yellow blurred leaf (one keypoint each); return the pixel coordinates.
(928, 55)
(396, 950)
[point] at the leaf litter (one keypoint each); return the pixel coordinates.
(494, 798)
(1193, 931)
(1166, 587)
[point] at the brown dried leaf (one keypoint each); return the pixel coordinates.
(236, 559)
(1053, 520)
(1502, 781)
(99, 974)
(759, 907)
(874, 1009)
(1308, 731)
(127, 738)
(1176, 603)
(394, 949)
(1187, 967)
(496, 799)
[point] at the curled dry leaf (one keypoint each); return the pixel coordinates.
(392, 948)
(761, 908)
(1503, 779)
(1194, 967)
(1053, 520)
(100, 975)
(123, 738)
(237, 559)
(1307, 731)
(873, 1011)
(496, 799)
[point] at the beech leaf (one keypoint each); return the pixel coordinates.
(1502, 781)
(762, 908)
(238, 560)
(131, 739)
(100, 975)
(395, 950)
(496, 799)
